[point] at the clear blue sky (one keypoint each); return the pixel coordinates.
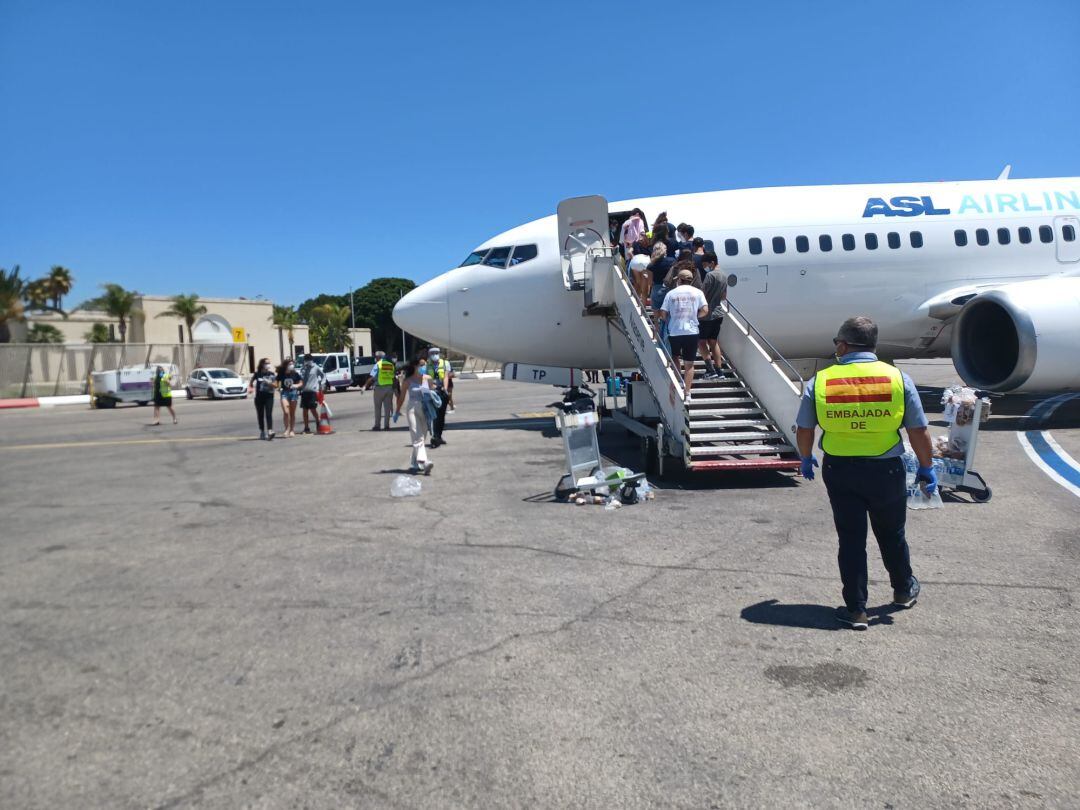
(288, 148)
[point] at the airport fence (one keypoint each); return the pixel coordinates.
(60, 369)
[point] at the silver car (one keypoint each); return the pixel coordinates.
(215, 383)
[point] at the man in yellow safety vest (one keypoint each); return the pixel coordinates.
(382, 378)
(860, 404)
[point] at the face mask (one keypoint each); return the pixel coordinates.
(423, 368)
(290, 367)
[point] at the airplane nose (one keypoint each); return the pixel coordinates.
(423, 311)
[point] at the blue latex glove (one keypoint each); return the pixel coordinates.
(396, 415)
(928, 475)
(808, 465)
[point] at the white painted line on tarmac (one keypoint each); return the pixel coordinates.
(1045, 452)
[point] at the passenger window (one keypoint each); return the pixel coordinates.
(848, 241)
(498, 257)
(802, 244)
(1046, 234)
(1024, 235)
(916, 239)
(1004, 237)
(754, 245)
(871, 241)
(893, 239)
(731, 247)
(778, 244)
(825, 242)
(330, 364)
(960, 235)
(1068, 233)
(982, 237)
(475, 257)
(522, 253)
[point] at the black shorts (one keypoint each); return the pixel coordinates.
(709, 330)
(684, 346)
(309, 399)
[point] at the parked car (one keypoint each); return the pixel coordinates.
(215, 383)
(337, 368)
(362, 368)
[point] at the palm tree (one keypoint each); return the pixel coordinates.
(59, 283)
(188, 309)
(44, 333)
(98, 333)
(120, 304)
(330, 327)
(288, 319)
(12, 292)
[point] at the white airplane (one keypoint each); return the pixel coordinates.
(986, 272)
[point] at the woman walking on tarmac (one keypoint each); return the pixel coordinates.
(414, 386)
(162, 395)
(289, 380)
(263, 383)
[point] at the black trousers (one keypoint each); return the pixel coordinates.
(264, 409)
(440, 415)
(875, 488)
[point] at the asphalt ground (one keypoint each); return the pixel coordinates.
(192, 617)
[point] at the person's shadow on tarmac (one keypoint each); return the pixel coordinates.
(812, 617)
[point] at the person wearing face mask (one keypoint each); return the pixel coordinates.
(860, 404)
(313, 381)
(263, 384)
(443, 377)
(289, 380)
(415, 384)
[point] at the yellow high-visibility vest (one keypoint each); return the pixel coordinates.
(386, 373)
(860, 407)
(165, 387)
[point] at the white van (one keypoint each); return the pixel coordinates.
(337, 368)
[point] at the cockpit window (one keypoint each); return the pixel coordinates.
(522, 253)
(498, 257)
(475, 257)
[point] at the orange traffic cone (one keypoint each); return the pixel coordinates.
(324, 428)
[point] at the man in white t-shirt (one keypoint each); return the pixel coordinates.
(682, 308)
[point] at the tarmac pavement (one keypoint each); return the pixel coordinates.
(190, 617)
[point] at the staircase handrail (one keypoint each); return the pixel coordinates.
(773, 353)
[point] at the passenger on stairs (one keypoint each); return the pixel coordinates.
(632, 230)
(658, 269)
(681, 309)
(714, 286)
(639, 276)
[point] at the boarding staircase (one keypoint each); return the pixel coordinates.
(745, 419)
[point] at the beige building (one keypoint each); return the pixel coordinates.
(227, 320)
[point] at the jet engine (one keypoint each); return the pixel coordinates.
(1021, 337)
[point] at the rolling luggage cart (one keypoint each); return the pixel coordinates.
(583, 461)
(955, 473)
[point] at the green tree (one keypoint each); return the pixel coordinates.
(98, 333)
(287, 319)
(307, 307)
(188, 309)
(44, 333)
(120, 304)
(59, 283)
(330, 328)
(374, 304)
(12, 292)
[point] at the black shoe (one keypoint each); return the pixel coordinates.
(307, 430)
(908, 598)
(435, 442)
(855, 619)
(376, 428)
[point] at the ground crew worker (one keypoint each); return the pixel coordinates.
(860, 404)
(162, 395)
(443, 376)
(382, 378)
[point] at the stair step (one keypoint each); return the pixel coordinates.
(700, 381)
(713, 424)
(741, 450)
(720, 400)
(749, 435)
(727, 411)
(704, 465)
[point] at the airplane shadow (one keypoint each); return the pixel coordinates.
(809, 617)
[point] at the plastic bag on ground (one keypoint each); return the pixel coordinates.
(404, 486)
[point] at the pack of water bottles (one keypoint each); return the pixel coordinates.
(917, 496)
